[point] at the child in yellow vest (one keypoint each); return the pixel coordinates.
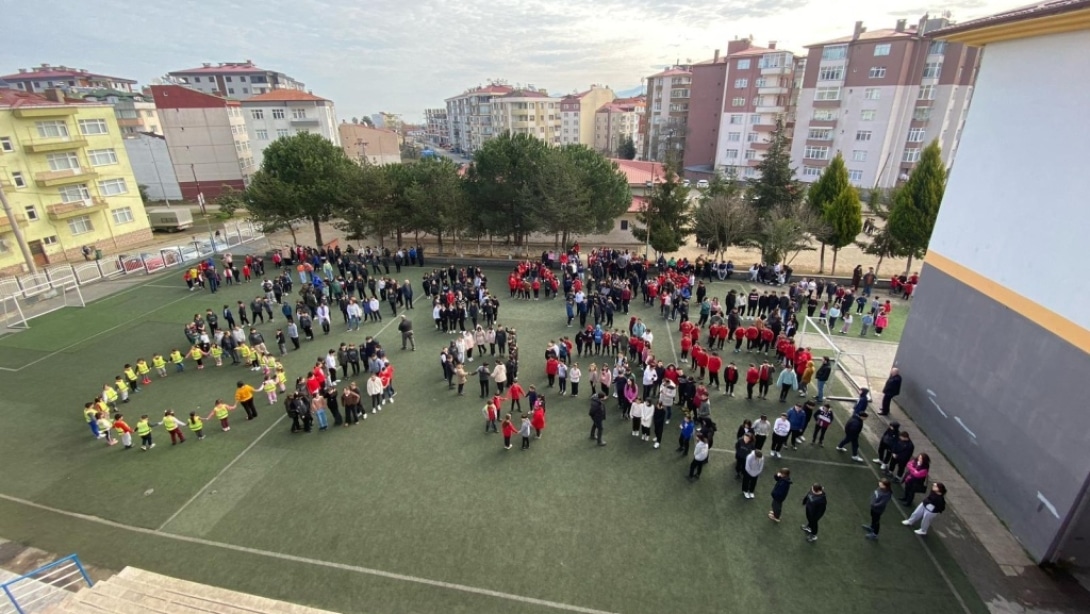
(269, 386)
(281, 378)
(143, 429)
(100, 405)
(110, 396)
(217, 355)
(122, 388)
(143, 370)
(178, 360)
(197, 354)
(130, 375)
(221, 412)
(89, 414)
(105, 426)
(173, 427)
(160, 365)
(244, 352)
(196, 425)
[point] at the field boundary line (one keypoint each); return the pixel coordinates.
(310, 561)
(795, 459)
(204, 488)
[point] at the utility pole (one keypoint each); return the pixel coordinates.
(18, 232)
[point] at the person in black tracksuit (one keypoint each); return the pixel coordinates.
(885, 446)
(903, 450)
(879, 500)
(742, 448)
(815, 504)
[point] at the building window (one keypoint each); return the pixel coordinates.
(932, 70)
(752, 137)
(911, 155)
(196, 79)
(731, 154)
(102, 157)
(915, 135)
(243, 79)
(6, 144)
(261, 134)
(937, 48)
(50, 240)
(827, 93)
(112, 187)
(738, 102)
(74, 193)
(736, 118)
(624, 224)
(63, 161)
(863, 135)
(927, 92)
(52, 129)
(92, 126)
(257, 113)
(816, 153)
(811, 171)
(834, 52)
(18, 180)
(922, 114)
(742, 64)
(122, 215)
(855, 176)
(867, 115)
(734, 137)
(281, 133)
(882, 49)
(80, 225)
(298, 113)
(877, 72)
(278, 113)
(751, 154)
(741, 84)
(824, 115)
(820, 134)
(245, 90)
(31, 212)
(859, 155)
(872, 93)
(831, 73)
(754, 119)
(230, 90)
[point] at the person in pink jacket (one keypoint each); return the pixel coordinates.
(630, 394)
(915, 479)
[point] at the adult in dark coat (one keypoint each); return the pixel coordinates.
(890, 390)
(597, 417)
(852, 429)
(815, 504)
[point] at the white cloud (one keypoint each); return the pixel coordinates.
(400, 56)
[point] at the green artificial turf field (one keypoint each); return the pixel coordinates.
(417, 509)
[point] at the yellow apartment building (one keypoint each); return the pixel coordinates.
(68, 180)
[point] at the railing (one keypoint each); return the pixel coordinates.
(35, 588)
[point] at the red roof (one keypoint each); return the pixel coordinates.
(639, 172)
(15, 99)
(285, 96)
(671, 72)
(638, 204)
(223, 67)
(526, 94)
(45, 74)
(179, 97)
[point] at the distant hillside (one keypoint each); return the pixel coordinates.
(630, 92)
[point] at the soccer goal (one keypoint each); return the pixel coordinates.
(815, 334)
(37, 300)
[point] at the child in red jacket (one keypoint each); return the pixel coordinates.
(508, 429)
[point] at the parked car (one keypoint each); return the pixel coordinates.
(702, 184)
(686, 182)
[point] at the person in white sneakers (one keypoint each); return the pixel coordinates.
(646, 418)
(932, 506)
(636, 413)
(780, 430)
(375, 389)
(755, 464)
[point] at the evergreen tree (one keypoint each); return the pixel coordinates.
(843, 217)
(777, 187)
(667, 217)
(627, 149)
(829, 186)
(916, 205)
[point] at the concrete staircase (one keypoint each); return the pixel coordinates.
(135, 591)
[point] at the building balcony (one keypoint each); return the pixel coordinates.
(5, 222)
(764, 127)
(305, 121)
(50, 179)
(770, 109)
(45, 111)
(63, 211)
(760, 145)
(772, 90)
(776, 70)
(62, 143)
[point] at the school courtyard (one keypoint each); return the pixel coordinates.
(417, 509)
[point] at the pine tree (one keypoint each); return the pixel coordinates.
(777, 187)
(916, 207)
(843, 218)
(667, 217)
(830, 185)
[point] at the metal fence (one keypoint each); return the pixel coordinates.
(41, 588)
(146, 262)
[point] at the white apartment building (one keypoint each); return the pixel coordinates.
(283, 113)
(238, 80)
(528, 111)
(436, 127)
(577, 114)
(615, 121)
(668, 94)
(469, 116)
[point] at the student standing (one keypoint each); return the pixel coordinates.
(852, 430)
(574, 377)
(537, 419)
(124, 431)
(647, 419)
(221, 411)
(780, 491)
(490, 415)
(524, 430)
(822, 420)
(742, 448)
(925, 512)
(196, 425)
(700, 457)
(173, 427)
(508, 429)
(143, 429)
(879, 499)
(780, 430)
(658, 419)
(787, 382)
(761, 429)
(687, 429)
(915, 477)
(754, 465)
(815, 504)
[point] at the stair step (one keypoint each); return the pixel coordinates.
(199, 601)
(214, 599)
(118, 601)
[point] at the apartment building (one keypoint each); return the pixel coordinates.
(616, 121)
(879, 98)
(735, 102)
(64, 169)
(666, 128)
(436, 128)
(367, 145)
(577, 114)
(469, 116)
(528, 111)
(47, 77)
(238, 80)
(135, 111)
(282, 113)
(207, 140)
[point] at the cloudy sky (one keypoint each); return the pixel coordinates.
(403, 56)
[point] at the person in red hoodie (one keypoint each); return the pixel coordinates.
(515, 393)
(715, 363)
(789, 354)
(730, 375)
(753, 334)
(764, 380)
(721, 335)
(536, 287)
(739, 336)
(686, 345)
(697, 351)
(686, 327)
(752, 377)
(552, 365)
(671, 373)
(537, 419)
(713, 329)
(766, 340)
(702, 362)
(508, 429)
(387, 377)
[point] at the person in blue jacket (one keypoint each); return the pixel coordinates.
(863, 402)
(779, 493)
(797, 417)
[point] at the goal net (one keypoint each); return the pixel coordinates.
(815, 334)
(37, 299)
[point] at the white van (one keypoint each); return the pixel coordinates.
(171, 219)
